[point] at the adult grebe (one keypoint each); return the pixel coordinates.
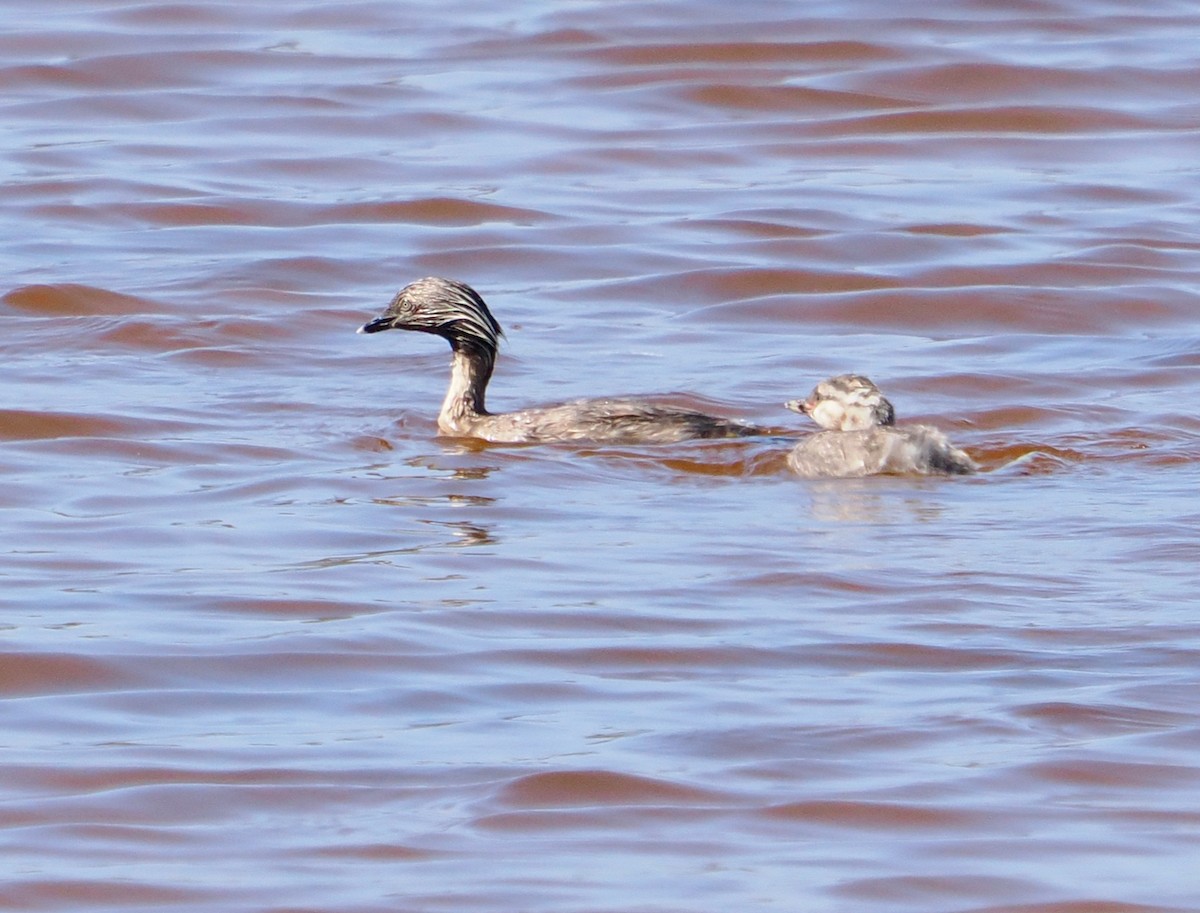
(861, 439)
(457, 313)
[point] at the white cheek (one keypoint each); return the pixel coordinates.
(857, 417)
(828, 414)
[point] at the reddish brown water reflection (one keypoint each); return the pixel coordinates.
(270, 644)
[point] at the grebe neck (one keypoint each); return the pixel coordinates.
(470, 371)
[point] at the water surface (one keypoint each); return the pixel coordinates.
(271, 644)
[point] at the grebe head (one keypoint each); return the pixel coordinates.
(444, 307)
(848, 402)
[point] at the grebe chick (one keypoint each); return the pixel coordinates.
(860, 437)
(457, 313)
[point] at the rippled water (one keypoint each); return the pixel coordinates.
(271, 644)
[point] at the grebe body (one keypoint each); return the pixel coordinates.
(457, 313)
(860, 437)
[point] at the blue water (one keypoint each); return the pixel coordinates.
(271, 644)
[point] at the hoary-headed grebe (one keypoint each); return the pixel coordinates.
(457, 313)
(860, 437)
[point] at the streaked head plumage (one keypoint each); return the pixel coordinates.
(847, 402)
(444, 307)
